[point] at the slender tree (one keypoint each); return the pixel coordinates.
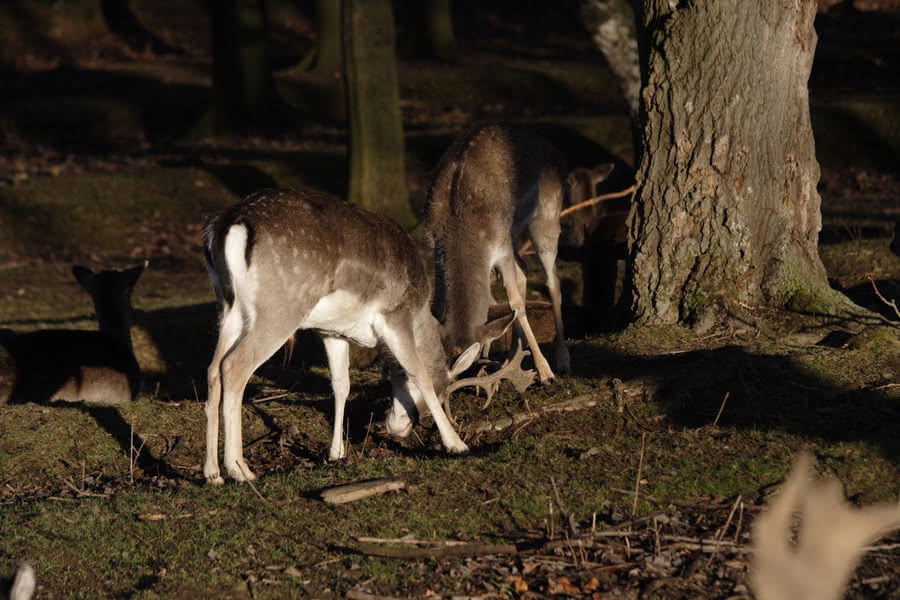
(726, 210)
(243, 88)
(612, 26)
(377, 173)
(327, 53)
(429, 29)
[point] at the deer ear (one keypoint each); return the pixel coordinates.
(465, 359)
(601, 172)
(84, 276)
(135, 272)
(492, 330)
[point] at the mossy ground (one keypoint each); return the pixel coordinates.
(110, 502)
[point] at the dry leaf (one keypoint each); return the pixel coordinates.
(519, 584)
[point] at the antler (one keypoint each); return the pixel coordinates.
(511, 370)
(830, 540)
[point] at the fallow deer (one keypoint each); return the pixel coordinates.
(74, 365)
(283, 260)
(492, 184)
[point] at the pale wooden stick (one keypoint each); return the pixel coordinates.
(363, 489)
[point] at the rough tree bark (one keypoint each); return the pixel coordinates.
(243, 89)
(377, 173)
(726, 209)
(612, 26)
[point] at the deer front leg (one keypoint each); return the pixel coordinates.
(398, 337)
(561, 352)
(338, 352)
(507, 266)
(545, 229)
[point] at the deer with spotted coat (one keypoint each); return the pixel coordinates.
(283, 260)
(492, 186)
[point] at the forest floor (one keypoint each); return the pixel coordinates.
(646, 485)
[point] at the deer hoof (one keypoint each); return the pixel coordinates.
(241, 472)
(459, 449)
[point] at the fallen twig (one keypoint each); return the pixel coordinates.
(596, 200)
(637, 480)
(577, 403)
(411, 541)
(363, 489)
(891, 303)
(415, 552)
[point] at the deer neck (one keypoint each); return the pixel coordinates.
(462, 292)
(116, 323)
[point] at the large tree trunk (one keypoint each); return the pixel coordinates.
(726, 209)
(612, 26)
(377, 173)
(244, 92)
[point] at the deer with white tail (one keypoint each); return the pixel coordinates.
(283, 260)
(492, 184)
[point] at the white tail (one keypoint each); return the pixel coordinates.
(74, 365)
(283, 260)
(494, 183)
(829, 540)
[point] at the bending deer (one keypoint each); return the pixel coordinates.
(283, 260)
(491, 185)
(75, 365)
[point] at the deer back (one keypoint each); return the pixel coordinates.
(486, 189)
(317, 261)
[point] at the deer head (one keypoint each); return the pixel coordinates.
(409, 404)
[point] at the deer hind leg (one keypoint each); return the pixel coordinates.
(338, 351)
(262, 338)
(398, 336)
(544, 229)
(229, 333)
(507, 266)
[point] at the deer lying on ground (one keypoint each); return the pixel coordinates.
(75, 365)
(492, 184)
(283, 260)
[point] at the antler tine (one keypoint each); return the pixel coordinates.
(511, 370)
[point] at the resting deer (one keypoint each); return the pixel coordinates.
(75, 365)
(492, 184)
(283, 260)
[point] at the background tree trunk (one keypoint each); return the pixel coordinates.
(726, 207)
(612, 26)
(244, 92)
(426, 29)
(377, 173)
(327, 54)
